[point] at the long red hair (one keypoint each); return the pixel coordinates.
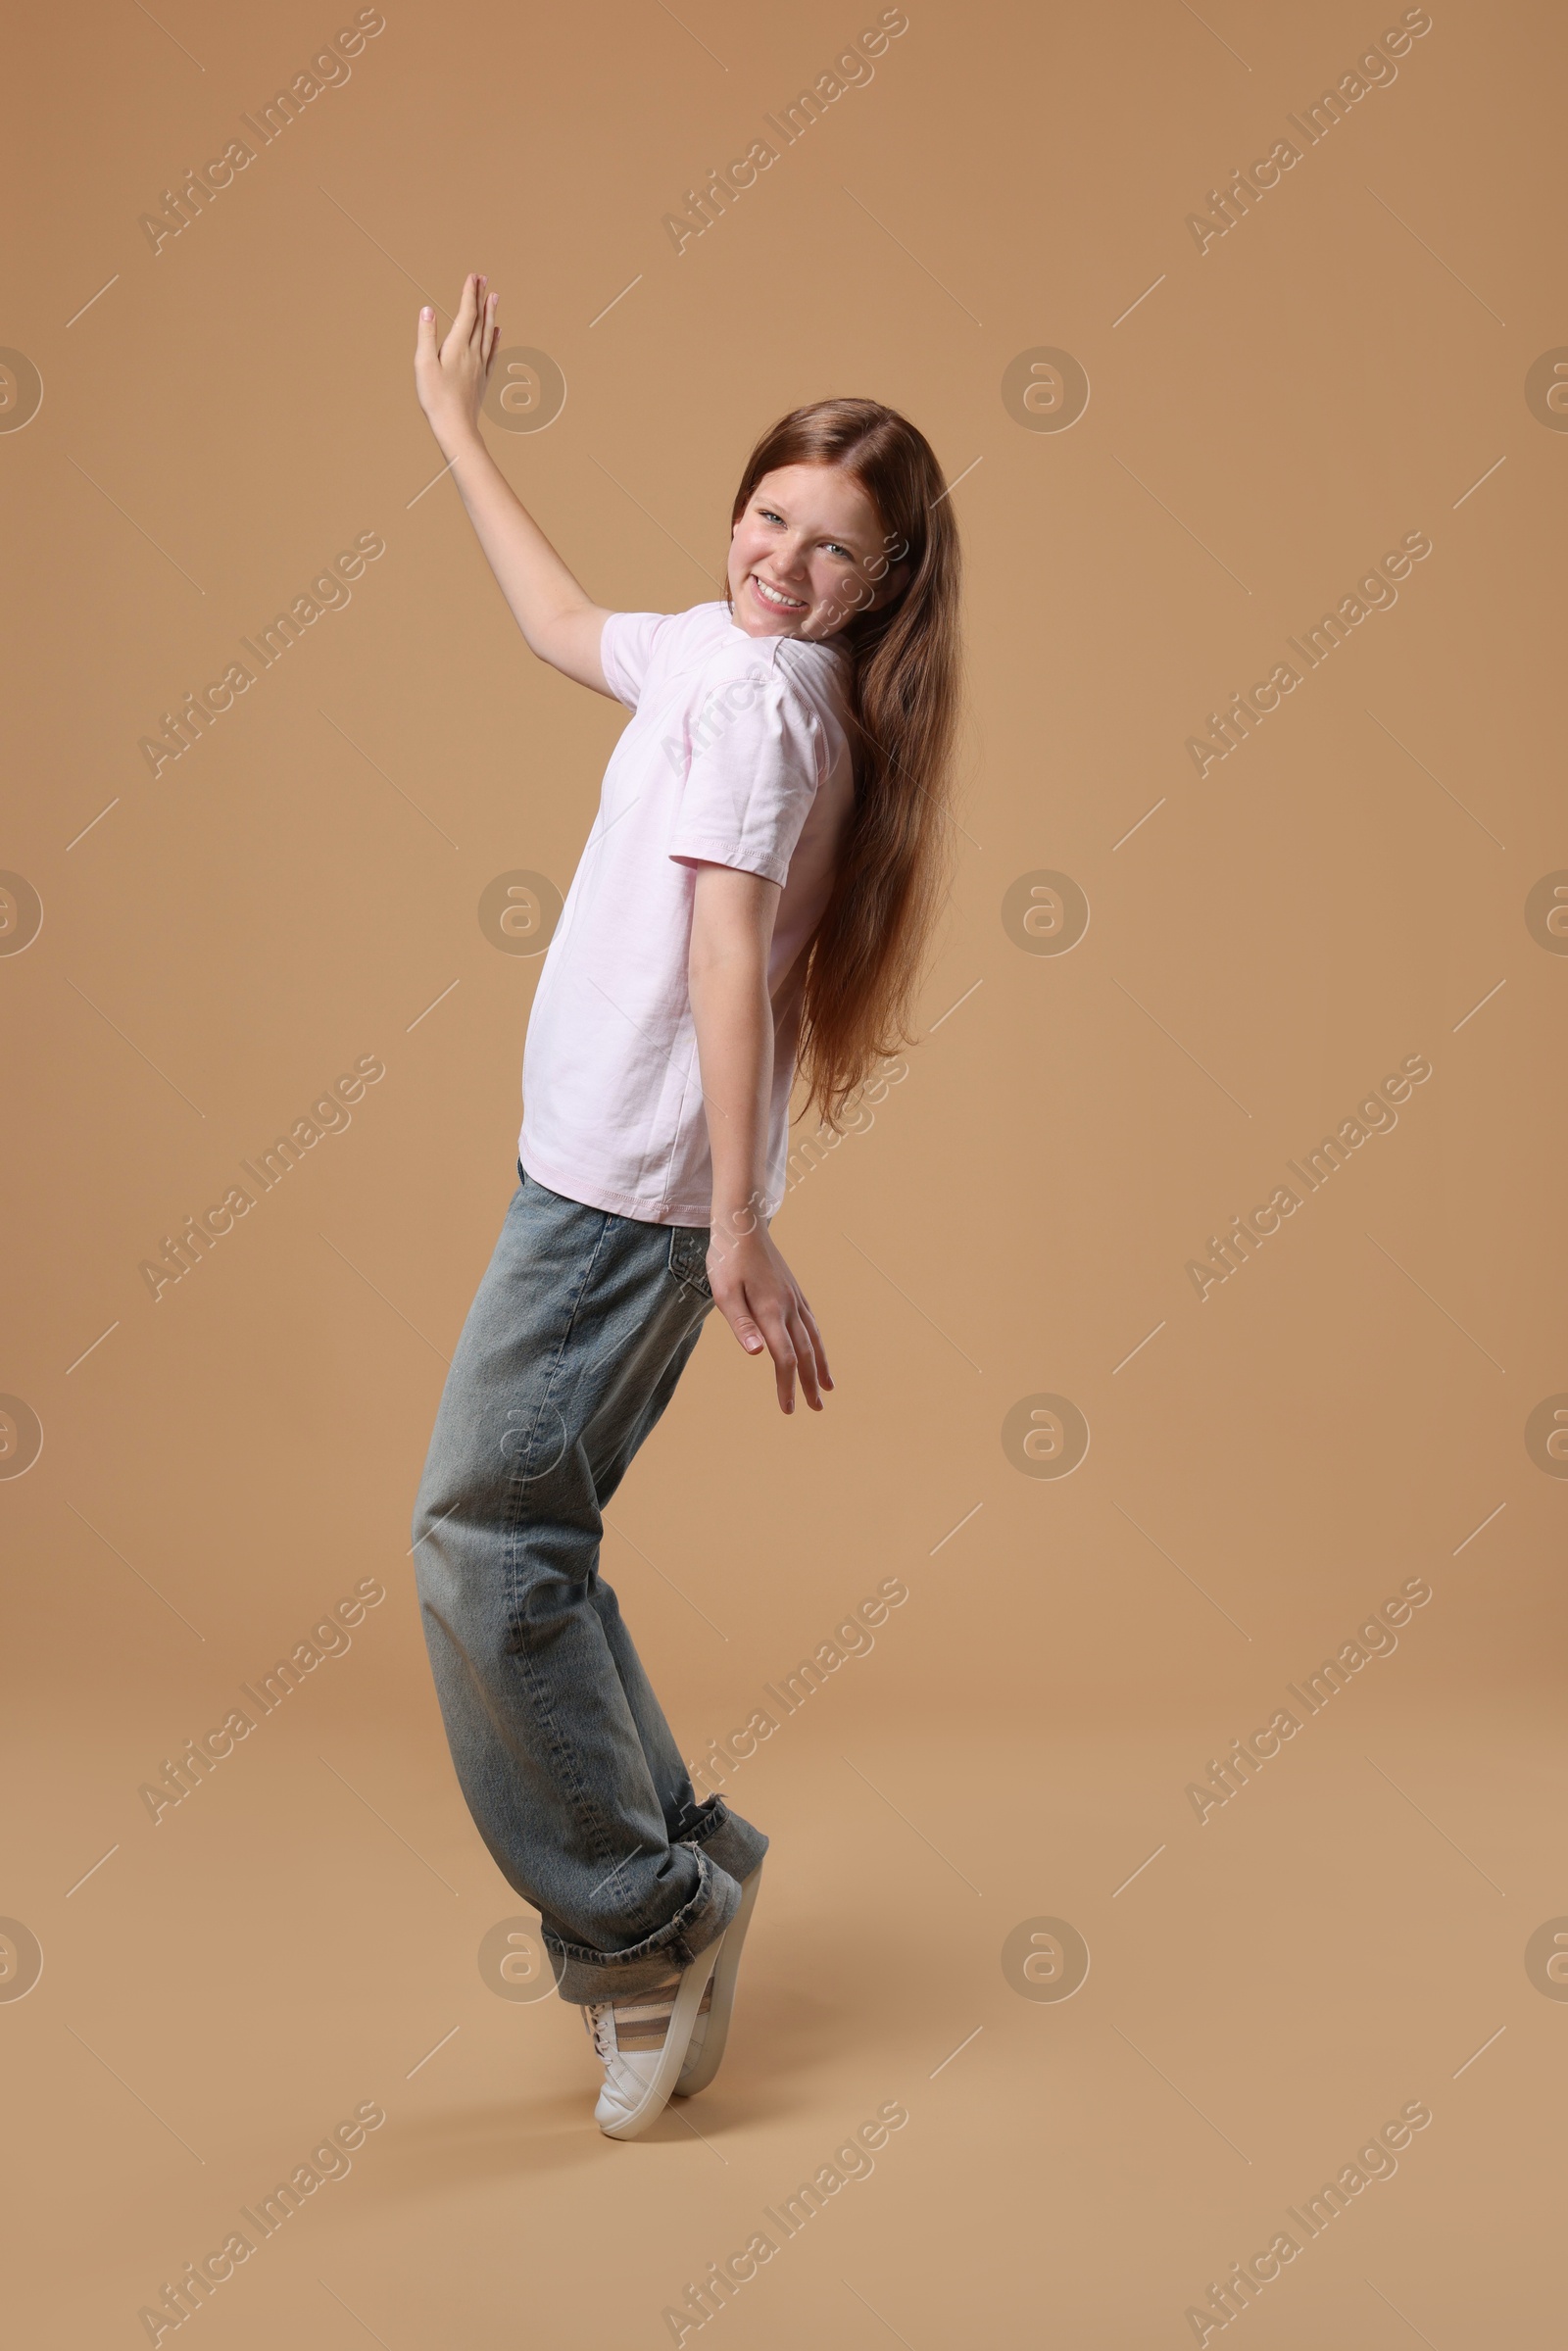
(865, 961)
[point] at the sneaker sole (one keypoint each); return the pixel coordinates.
(699, 2072)
(688, 2000)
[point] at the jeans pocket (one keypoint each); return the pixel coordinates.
(688, 1257)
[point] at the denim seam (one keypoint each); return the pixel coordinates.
(588, 1814)
(547, 1397)
(704, 1291)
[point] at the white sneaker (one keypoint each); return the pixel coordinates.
(711, 2028)
(641, 2039)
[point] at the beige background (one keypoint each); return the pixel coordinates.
(218, 944)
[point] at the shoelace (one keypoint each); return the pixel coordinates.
(633, 2023)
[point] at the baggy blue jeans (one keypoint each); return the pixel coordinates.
(581, 1327)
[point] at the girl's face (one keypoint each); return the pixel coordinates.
(808, 553)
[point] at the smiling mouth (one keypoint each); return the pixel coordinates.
(775, 599)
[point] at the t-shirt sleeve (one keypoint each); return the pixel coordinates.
(626, 648)
(753, 777)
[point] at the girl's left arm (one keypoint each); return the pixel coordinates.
(732, 935)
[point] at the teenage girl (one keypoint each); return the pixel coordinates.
(753, 898)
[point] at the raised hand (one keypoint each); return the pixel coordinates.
(559, 620)
(450, 378)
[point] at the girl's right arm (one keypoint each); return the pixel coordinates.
(559, 622)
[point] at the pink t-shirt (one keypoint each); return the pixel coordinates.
(736, 755)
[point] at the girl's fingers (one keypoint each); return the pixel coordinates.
(782, 1323)
(781, 1347)
(817, 1349)
(461, 327)
(745, 1331)
(804, 1351)
(805, 1358)
(786, 1362)
(425, 346)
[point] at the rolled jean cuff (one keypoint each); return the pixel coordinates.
(726, 1839)
(583, 1975)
